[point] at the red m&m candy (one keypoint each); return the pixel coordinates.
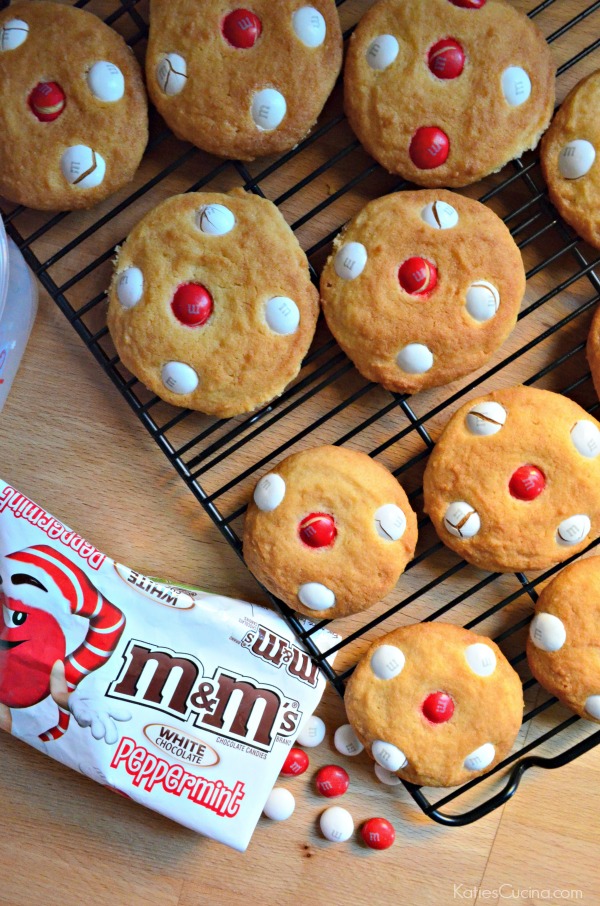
(242, 28)
(318, 530)
(446, 59)
(296, 762)
(417, 276)
(527, 482)
(429, 148)
(378, 833)
(332, 780)
(192, 304)
(438, 707)
(468, 4)
(47, 101)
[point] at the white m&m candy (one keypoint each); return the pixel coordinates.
(382, 52)
(316, 596)
(215, 219)
(486, 418)
(388, 756)
(516, 85)
(309, 26)
(269, 492)
(439, 215)
(268, 109)
(573, 530)
(482, 300)
(586, 438)
(282, 315)
(130, 287)
(179, 378)
(312, 733)
(171, 73)
(13, 33)
(415, 358)
(592, 706)
(576, 159)
(385, 776)
(280, 805)
(481, 659)
(547, 632)
(481, 758)
(462, 520)
(350, 260)
(346, 741)
(106, 81)
(387, 662)
(390, 522)
(336, 824)
(83, 167)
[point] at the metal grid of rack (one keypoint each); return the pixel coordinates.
(318, 186)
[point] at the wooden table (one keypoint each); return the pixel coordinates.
(69, 442)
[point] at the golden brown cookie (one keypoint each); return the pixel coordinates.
(329, 531)
(593, 350)
(211, 304)
(444, 92)
(435, 703)
(73, 111)
(514, 480)
(242, 82)
(421, 288)
(569, 162)
(563, 648)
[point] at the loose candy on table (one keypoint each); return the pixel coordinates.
(332, 780)
(378, 833)
(336, 824)
(296, 763)
(312, 733)
(346, 741)
(280, 805)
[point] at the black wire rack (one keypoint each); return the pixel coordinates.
(318, 186)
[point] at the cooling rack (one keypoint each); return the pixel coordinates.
(318, 186)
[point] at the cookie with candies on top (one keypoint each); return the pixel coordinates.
(513, 482)
(435, 703)
(73, 109)
(421, 288)
(444, 92)
(329, 531)
(569, 159)
(199, 313)
(563, 648)
(242, 82)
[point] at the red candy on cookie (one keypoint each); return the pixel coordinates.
(429, 148)
(318, 530)
(417, 276)
(47, 101)
(242, 28)
(192, 304)
(446, 59)
(438, 707)
(527, 482)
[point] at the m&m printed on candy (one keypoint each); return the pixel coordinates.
(438, 707)
(296, 763)
(241, 28)
(446, 59)
(318, 530)
(346, 741)
(268, 109)
(192, 304)
(171, 73)
(527, 482)
(378, 833)
(13, 33)
(417, 276)
(382, 52)
(312, 733)
(106, 82)
(576, 158)
(429, 148)
(83, 167)
(332, 780)
(336, 824)
(309, 26)
(47, 101)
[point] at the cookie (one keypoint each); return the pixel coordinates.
(329, 531)
(434, 703)
(593, 350)
(239, 82)
(73, 110)
(563, 648)
(513, 483)
(444, 92)
(211, 304)
(421, 288)
(568, 158)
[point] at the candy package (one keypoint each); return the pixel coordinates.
(184, 701)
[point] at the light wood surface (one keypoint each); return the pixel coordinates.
(68, 441)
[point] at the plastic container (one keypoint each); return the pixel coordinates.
(18, 307)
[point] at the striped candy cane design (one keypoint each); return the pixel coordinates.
(106, 621)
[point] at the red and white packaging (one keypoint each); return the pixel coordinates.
(184, 701)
